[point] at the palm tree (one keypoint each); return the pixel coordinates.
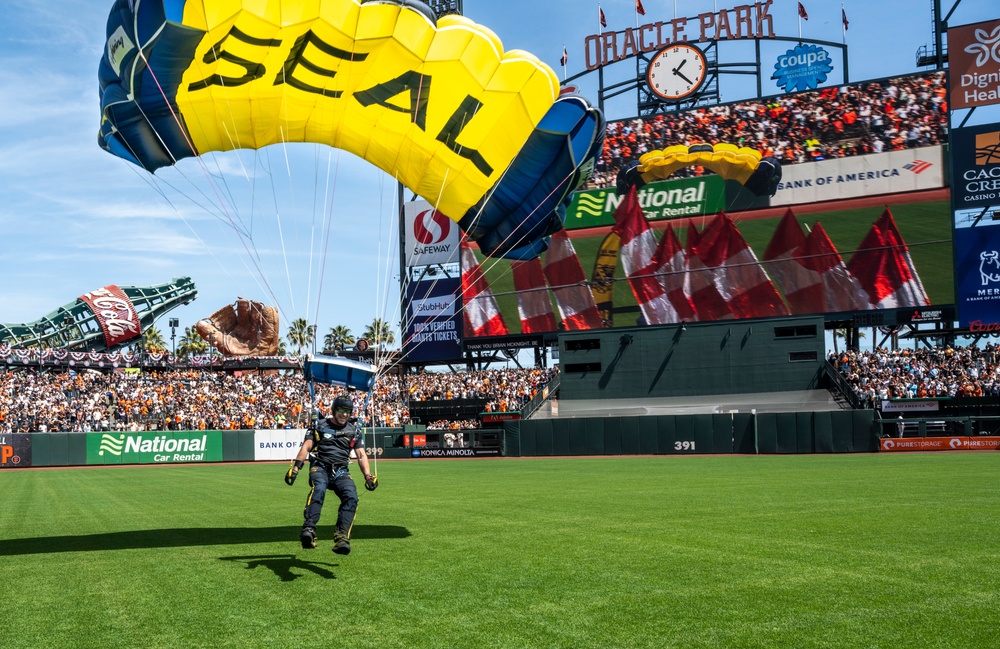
(192, 344)
(300, 334)
(338, 338)
(153, 341)
(379, 332)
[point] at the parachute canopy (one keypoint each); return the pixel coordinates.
(333, 370)
(480, 133)
(746, 166)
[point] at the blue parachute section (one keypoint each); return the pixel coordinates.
(331, 370)
(139, 125)
(515, 219)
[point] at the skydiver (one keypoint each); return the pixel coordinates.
(328, 446)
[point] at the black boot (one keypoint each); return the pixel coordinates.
(341, 544)
(308, 538)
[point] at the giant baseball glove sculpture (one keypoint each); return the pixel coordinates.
(247, 328)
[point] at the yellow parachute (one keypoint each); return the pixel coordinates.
(744, 165)
(436, 103)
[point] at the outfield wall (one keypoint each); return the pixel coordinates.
(845, 431)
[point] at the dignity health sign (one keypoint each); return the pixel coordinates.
(974, 64)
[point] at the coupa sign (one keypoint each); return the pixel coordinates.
(431, 237)
(802, 68)
(154, 447)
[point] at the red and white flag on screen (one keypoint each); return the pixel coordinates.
(670, 261)
(881, 266)
(708, 302)
(835, 289)
(637, 254)
(738, 275)
(533, 303)
(788, 275)
(600, 13)
(912, 293)
(481, 314)
(639, 9)
(563, 272)
(802, 12)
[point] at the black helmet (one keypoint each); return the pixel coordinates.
(343, 401)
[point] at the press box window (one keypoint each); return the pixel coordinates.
(582, 367)
(801, 331)
(801, 357)
(583, 344)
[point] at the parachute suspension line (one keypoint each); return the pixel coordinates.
(389, 258)
(203, 168)
(327, 204)
(277, 216)
(329, 230)
(146, 178)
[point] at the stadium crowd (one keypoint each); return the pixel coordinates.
(89, 400)
(835, 122)
(922, 373)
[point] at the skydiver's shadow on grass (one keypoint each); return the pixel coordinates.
(282, 564)
(182, 537)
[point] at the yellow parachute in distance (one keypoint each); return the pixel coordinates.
(744, 165)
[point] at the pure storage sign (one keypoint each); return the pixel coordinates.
(974, 64)
(154, 447)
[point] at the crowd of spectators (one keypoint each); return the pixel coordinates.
(89, 400)
(454, 424)
(836, 122)
(922, 373)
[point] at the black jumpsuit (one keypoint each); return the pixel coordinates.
(329, 457)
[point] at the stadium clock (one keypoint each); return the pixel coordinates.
(676, 72)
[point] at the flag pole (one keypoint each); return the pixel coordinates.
(843, 27)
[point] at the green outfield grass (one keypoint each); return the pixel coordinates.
(926, 228)
(779, 551)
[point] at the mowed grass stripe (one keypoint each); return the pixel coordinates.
(725, 551)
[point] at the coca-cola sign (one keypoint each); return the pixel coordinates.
(115, 313)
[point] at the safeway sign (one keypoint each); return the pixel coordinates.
(431, 237)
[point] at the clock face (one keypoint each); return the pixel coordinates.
(676, 72)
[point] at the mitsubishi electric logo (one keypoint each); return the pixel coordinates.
(987, 47)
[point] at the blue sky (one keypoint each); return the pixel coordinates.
(75, 218)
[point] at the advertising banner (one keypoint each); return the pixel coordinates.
(154, 447)
(974, 64)
(666, 199)
(869, 175)
(975, 199)
(431, 237)
(434, 320)
(455, 452)
(976, 170)
(15, 451)
(115, 314)
(940, 444)
(802, 68)
(277, 444)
